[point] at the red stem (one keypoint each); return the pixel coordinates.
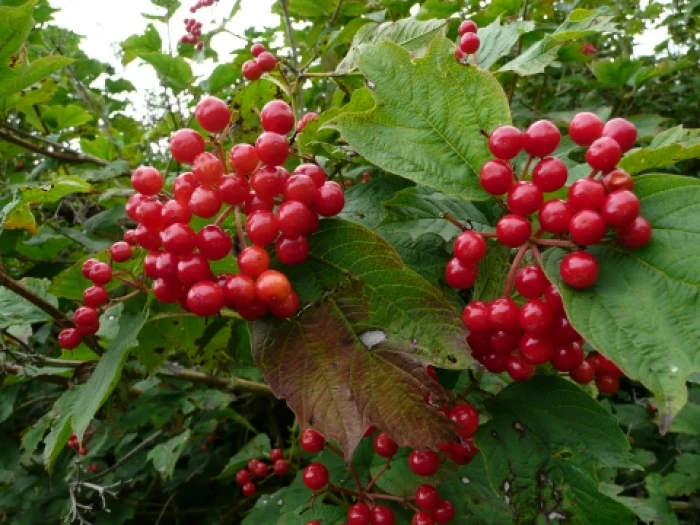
(555, 242)
(514, 269)
(523, 174)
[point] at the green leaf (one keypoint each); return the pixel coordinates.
(645, 509)
(59, 417)
(68, 116)
(55, 190)
(269, 508)
(493, 273)
(429, 115)
(542, 447)
(112, 170)
(379, 324)
(15, 310)
(15, 25)
(326, 514)
(363, 202)
(224, 76)
(21, 218)
(641, 311)
(175, 71)
(14, 80)
(134, 46)
(497, 40)
(668, 148)
(107, 373)
(257, 447)
(165, 455)
(615, 73)
(248, 101)
(580, 23)
(688, 420)
(409, 33)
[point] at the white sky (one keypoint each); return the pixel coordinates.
(105, 23)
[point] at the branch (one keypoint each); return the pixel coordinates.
(126, 457)
(224, 383)
(67, 157)
(297, 97)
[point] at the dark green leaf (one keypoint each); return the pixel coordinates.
(15, 25)
(256, 448)
(15, 310)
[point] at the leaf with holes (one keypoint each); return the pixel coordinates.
(641, 313)
(429, 116)
(542, 448)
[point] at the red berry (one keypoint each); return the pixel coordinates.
(496, 177)
(444, 512)
(531, 282)
(179, 239)
(255, 203)
(292, 250)
(583, 373)
(133, 203)
(536, 317)
(212, 114)
(422, 518)
(149, 264)
(563, 331)
(550, 174)
(554, 298)
(384, 446)
(234, 189)
(256, 49)
(312, 170)
(495, 363)
(382, 515)
(555, 216)
(466, 418)
(276, 454)
(603, 154)
(286, 308)
(315, 476)
(272, 287)
(268, 181)
(272, 148)
(261, 469)
(205, 202)
(242, 476)
(185, 145)
(261, 227)
(524, 198)
(248, 489)
(239, 290)
(252, 70)
(243, 159)
(95, 296)
(359, 514)
(475, 316)
(608, 367)
(205, 298)
(147, 238)
(253, 310)
(618, 179)
(100, 273)
(425, 463)
(506, 142)
(469, 247)
(587, 227)
(567, 357)
(427, 497)
(300, 188)
(586, 194)
(535, 349)
(193, 268)
(541, 138)
(267, 61)
(147, 180)
(294, 219)
(467, 26)
(167, 290)
(184, 185)
(120, 251)
(69, 338)
(460, 275)
(311, 441)
(636, 234)
(585, 128)
(607, 384)
(513, 230)
(504, 342)
(504, 314)
(469, 43)
(173, 212)
(579, 269)
(620, 208)
(207, 169)
(519, 369)
(621, 131)
(253, 260)
(330, 199)
(280, 467)
(150, 214)
(213, 242)
(277, 116)
(83, 451)
(85, 316)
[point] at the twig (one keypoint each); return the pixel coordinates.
(67, 157)
(38, 301)
(231, 383)
(126, 457)
(297, 98)
(167, 502)
(514, 269)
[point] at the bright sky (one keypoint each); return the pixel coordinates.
(105, 23)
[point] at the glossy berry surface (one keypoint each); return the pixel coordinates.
(252, 70)
(147, 180)
(272, 148)
(524, 198)
(460, 275)
(531, 282)
(586, 194)
(207, 169)
(120, 251)
(496, 177)
(506, 141)
(444, 512)
(315, 476)
(213, 242)
(587, 227)
(330, 199)
(277, 116)
(427, 497)
(622, 131)
(423, 463)
(541, 138)
(243, 159)
(579, 269)
(253, 260)
(469, 43)
(549, 174)
(212, 114)
(466, 26)
(311, 440)
(359, 514)
(384, 446)
(603, 154)
(635, 234)
(585, 128)
(475, 316)
(272, 287)
(205, 298)
(185, 145)
(620, 208)
(382, 515)
(69, 338)
(513, 230)
(469, 247)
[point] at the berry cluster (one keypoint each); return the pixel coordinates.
(263, 62)
(429, 507)
(194, 32)
(257, 468)
(280, 209)
(75, 445)
(601, 201)
(202, 3)
(468, 41)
